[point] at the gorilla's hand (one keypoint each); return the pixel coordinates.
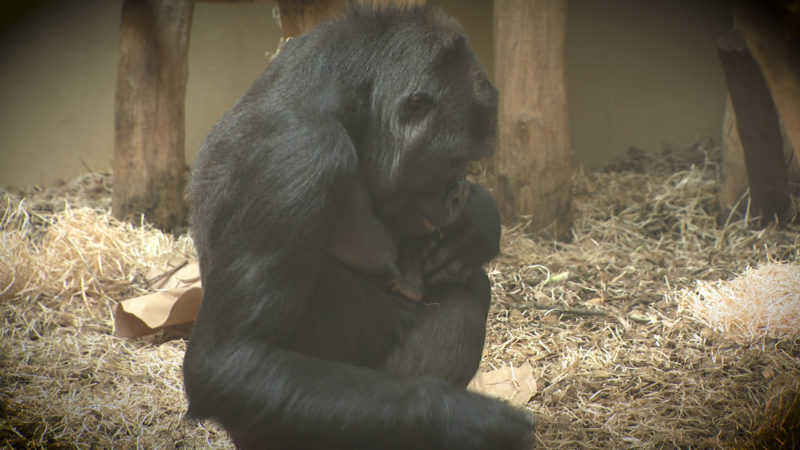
(453, 254)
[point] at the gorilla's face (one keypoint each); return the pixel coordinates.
(446, 117)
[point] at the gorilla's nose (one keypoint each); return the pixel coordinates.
(454, 200)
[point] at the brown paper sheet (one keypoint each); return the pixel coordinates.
(516, 385)
(173, 306)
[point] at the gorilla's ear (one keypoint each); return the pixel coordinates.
(415, 107)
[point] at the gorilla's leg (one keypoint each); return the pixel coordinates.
(448, 336)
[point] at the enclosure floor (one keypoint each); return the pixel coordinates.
(620, 359)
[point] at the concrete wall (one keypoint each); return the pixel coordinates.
(640, 74)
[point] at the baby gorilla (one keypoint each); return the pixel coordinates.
(363, 242)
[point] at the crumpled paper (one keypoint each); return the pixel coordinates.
(516, 385)
(173, 306)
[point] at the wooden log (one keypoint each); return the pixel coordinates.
(759, 128)
(778, 55)
(532, 170)
(149, 155)
(233, 1)
(733, 173)
(379, 3)
(299, 16)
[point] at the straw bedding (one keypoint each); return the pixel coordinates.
(631, 325)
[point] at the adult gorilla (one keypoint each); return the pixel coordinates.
(294, 348)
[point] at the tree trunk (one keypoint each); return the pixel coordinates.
(778, 56)
(393, 2)
(759, 128)
(532, 170)
(300, 16)
(149, 154)
(733, 173)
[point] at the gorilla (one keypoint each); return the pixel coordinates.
(366, 122)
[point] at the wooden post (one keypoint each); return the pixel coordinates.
(778, 55)
(733, 173)
(299, 16)
(759, 128)
(532, 170)
(393, 2)
(149, 154)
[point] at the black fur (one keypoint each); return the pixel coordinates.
(294, 349)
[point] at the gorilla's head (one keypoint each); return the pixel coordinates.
(432, 110)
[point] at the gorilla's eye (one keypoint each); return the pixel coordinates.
(415, 107)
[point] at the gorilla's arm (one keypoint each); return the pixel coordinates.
(294, 399)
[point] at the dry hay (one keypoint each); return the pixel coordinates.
(761, 302)
(618, 362)
(65, 379)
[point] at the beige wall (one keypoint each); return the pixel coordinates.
(57, 71)
(57, 74)
(640, 74)
(227, 51)
(643, 74)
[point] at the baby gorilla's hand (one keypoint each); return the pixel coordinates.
(446, 260)
(407, 289)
